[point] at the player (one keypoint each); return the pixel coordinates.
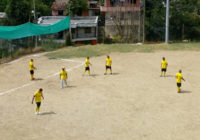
(108, 64)
(38, 95)
(179, 77)
(63, 77)
(87, 65)
(164, 65)
(32, 68)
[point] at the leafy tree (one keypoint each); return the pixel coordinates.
(184, 20)
(155, 20)
(18, 12)
(3, 4)
(75, 7)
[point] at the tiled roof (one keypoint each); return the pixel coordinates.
(59, 5)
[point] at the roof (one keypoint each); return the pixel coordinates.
(2, 15)
(122, 9)
(79, 21)
(49, 20)
(59, 5)
(84, 21)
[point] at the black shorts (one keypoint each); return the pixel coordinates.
(178, 84)
(87, 68)
(108, 67)
(31, 71)
(164, 70)
(38, 104)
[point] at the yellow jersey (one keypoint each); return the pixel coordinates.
(164, 64)
(31, 66)
(108, 61)
(38, 96)
(87, 62)
(179, 77)
(63, 74)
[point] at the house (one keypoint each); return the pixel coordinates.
(59, 8)
(93, 8)
(125, 14)
(82, 29)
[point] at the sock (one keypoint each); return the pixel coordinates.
(161, 73)
(106, 71)
(111, 71)
(179, 89)
(32, 76)
(164, 73)
(89, 72)
(37, 109)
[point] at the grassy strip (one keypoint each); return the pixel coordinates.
(103, 49)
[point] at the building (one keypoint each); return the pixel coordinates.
(93, 8)
(59, 8)
(122, 17)
(83, 29)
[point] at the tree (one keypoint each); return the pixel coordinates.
(155, 20)
(75, 7)
(3, 4)
(184, 20)
(18, 12)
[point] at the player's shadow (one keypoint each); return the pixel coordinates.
(48, 113)
(38, 79)
(70, 86)
(94, 75)
(186, 91)
(115, 73)
(169, 76)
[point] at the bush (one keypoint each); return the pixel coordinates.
(51, 45)
(117, 39)
(68, 40)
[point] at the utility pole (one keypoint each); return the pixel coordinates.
(167, 23)
(35, 22)
(144, 14)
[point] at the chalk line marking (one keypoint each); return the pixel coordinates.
(31, 83)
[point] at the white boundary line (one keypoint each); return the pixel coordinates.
(31, 83)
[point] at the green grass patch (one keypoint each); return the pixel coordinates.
(103, 49)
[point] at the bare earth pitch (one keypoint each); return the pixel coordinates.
(134, 103)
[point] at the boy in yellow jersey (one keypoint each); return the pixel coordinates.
(108, 64)
(179, 77)
(63, 77)
(32, 68)
(38, 95)
(164, 65)
(87, 65)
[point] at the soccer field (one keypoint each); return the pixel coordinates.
(134, 103)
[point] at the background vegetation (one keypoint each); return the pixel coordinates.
(103, 49)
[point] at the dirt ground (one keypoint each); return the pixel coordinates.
(134, 103)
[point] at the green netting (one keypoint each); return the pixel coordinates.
(30, 29)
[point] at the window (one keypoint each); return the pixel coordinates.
(60, 12)
(132, 1)
(88, 30)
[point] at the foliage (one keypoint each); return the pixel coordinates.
(75, 7)
(3, 4)
(117, 39)
(103, 49)
(18, 12)
(68, 40)
(184, 20)
(155, 20)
